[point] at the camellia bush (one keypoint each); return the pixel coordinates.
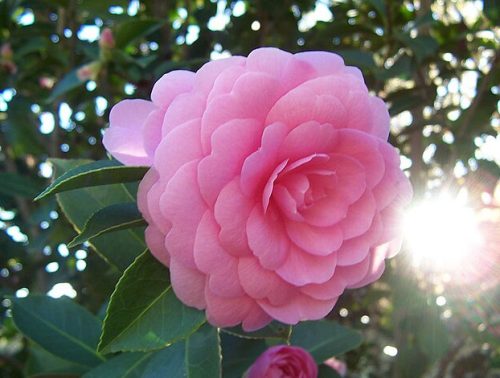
(222, 188)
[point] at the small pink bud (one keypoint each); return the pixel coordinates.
(88, 71)
(6, 51)
(337, 365)
(46, 82)
(107, 41)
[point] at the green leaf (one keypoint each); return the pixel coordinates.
(14, 184)
(42, 363)
(327, 372)
(239, 353)
(325, 339)
(129, 31)
(274, 330)
(379, 6)
(61, 326)
(422, 46)
(144, 313)
(402, 100)
(197, 357)
(68, 82)
(358, 58)
(118, 249)
(126, 365)
(101, 172)
(115, 217)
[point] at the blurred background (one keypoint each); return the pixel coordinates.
(65, 63)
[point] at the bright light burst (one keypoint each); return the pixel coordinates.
(442, 234)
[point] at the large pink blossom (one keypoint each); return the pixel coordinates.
(272, 187)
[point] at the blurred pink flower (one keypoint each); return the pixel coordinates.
(107, 40)
(272, 187)
(337, 365)
(283, 361)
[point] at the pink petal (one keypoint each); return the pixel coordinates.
(332, 288)
(304, 105)
(255, 319)
(171, 85)
(267, 238)
(149, 179)
(380, 118)
(286, 203)
(208, 73)
(227, 312)
(155, 241)
(280, 64)
(302, 307)
(225, 81)
(359, 216)
(375, 269)
(252, 96)
(306, 139)
(154, 209)
(314, 240)
(353, 251)
(324, 63)
(259, 165)
(301, 268)
(152, 131)
(177, 148)
(260, 283)
(364, 148)
(180, 194)
(123, 139)
(188, 284)
(185, 107)
(326, 212)
(210, 258)
(352, 274)
(231, 211)
(231, 144)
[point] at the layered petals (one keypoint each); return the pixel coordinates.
(272, 187)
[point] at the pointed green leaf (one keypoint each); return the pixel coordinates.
(126, 365)
(115, 217)
(118, 249)
(67, 83)
(14, 184)
(42, 363)
(199, 356)
(325, 339)
(129, 31)
(60, 326)
(144, 313)
(102, 172)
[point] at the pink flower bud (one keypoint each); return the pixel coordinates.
(6, 51)
(337, 365)
(284, 361)
(107, 41)
(88, 71)
(46, 82)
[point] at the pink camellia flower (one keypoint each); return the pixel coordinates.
(283, 361)
(272, 187)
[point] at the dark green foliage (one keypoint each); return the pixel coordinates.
(412, 54)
